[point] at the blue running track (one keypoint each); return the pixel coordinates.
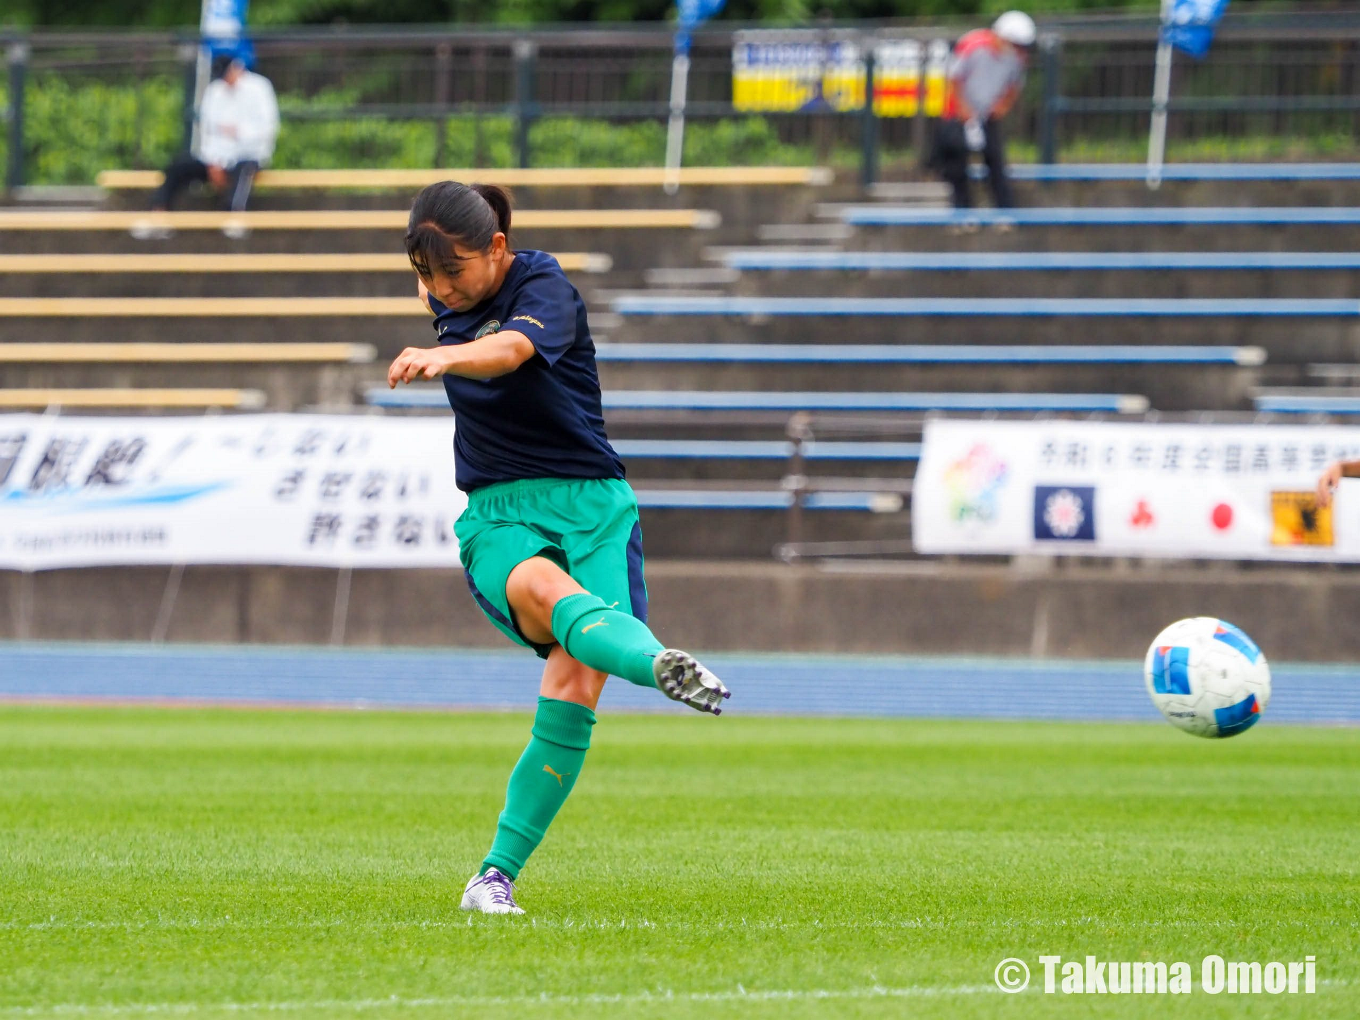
(785, 684)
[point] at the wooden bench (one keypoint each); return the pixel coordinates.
(350, 219)
(135, 398)
(209, 308)
(185, 353)
(337, 262)
(563, 177)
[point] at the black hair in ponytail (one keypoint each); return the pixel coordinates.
(449, 213)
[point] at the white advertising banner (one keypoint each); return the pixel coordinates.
(310, 490)
(1134, 489)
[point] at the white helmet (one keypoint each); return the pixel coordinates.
(1016, 27)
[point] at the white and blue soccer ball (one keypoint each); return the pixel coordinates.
(1207, 677)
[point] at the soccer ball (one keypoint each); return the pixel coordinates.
(1207, 677)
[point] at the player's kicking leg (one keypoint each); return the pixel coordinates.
(550, 606)
(683, 678)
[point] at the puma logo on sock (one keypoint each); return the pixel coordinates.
(559, 776)
(597, 623)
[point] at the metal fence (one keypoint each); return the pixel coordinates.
(440, 95)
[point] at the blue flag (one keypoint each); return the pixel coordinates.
(1192, 23)
(223, 29)
(693, 13)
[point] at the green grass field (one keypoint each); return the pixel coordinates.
(234, 863)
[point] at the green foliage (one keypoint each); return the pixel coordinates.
(74, 130)
(166, 13)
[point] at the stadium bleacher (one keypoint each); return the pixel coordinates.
(1287, 172)
(911, 215)
(427, 397)
(348, 219)
(130, 398)
(512, 177)
(704, 369)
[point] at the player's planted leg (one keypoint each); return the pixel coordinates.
(538, 788)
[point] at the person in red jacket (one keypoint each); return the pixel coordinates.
(986, 74)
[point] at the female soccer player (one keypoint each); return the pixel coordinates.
(550, 540)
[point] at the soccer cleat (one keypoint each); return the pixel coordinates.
(490, 893)
(150, 230)
(681, 677)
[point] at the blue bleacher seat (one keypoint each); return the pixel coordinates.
(928, 354)
(1305, 403)
(763, 449)
(914, 215)
(761, 499)
(721, 400)
(662, 304)
(795, 258)
(1180, 171)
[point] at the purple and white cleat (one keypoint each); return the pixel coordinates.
(681, 677)
(491, 893)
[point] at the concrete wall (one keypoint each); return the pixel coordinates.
(1069, 610)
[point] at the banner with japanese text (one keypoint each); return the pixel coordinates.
(1134, 489)
(288, 489)
(787, 70)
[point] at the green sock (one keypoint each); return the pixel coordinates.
(605, 639)
(541, 781)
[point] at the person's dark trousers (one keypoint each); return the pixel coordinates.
(240, 179)
(951, 156)
(994, 155)
(183, 170)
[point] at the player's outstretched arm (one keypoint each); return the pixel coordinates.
(1331, 478)
(494, 355)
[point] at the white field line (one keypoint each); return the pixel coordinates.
(626, 924)
(739, 994)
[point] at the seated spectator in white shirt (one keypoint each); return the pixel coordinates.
(238, 122)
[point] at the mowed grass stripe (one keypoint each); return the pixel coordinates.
(205, 861)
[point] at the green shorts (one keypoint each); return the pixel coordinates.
(588, 527)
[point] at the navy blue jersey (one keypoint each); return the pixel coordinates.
(544, 419)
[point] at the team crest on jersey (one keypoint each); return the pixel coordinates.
(494, 326)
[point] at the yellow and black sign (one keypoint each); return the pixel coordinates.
(1296, 519)
(787, 71)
